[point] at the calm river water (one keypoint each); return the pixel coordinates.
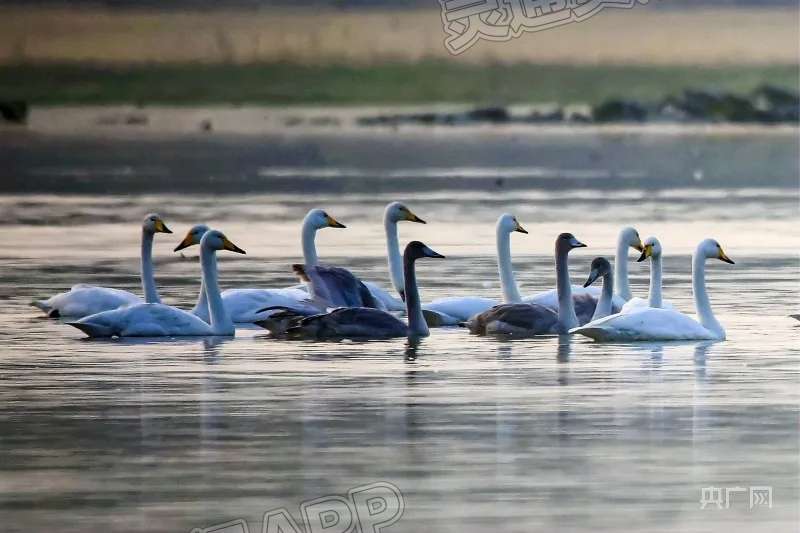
(478, 434)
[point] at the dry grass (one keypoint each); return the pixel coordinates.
(644, 35)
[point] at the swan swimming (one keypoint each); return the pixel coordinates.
(159, 320)
(654, 324)
(453, 310)
(84, 300)
(244, 305)
(601, 268)
(527, 319)
(586, 297)
(360, 322)
(653, 251)
(395, 212)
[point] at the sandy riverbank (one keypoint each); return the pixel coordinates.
(155, 121)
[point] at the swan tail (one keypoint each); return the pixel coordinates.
(42, 305)
(93, 329)
(284, 318)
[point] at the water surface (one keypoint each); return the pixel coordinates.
(479, 434)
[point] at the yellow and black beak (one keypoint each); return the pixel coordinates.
(333, 223)
(185, 243)
(228, 245)
(638, 246)
(411, 217)
(161, 227)
(723, 257)
(520, 229)
(647, 251)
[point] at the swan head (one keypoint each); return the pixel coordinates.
(566, 242)
(216, 240)
(193, 236)
(711, 249)
(318, 219)
(600, 268)
(416, 250)
(508, 223)
(652, 248)
(153, 224)
(630, 237)
(398, 212)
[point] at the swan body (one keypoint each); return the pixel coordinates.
(656, 324)
(361, 322)
(330, 288)
(453, 310)
(159, 320)
(529, 319)
(84, 300)
(647, 324)
(520, 319)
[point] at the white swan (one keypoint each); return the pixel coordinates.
(586, 297)
(453, 310)
(395, 212)
(159, 320)
(654, 324)
(528, 319)
(243, 305)
(652, 250)
(360, 322)
(83, 300)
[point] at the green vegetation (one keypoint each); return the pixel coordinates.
(401, 83)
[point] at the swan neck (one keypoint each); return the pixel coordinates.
(416, 321)
(148, 276)
(201, 307)
(621, 270)
(309, 233)
(220, 321)
(566, 308)
(655, 282)
(604, 305)
(701, 302)
(393, 253)
(506, 269)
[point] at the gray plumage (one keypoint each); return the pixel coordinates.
(365, 322)
(349, 322)
(332, 286)
(519, 319)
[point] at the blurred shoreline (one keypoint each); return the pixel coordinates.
(127, 121)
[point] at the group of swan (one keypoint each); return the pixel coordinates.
(335, 303)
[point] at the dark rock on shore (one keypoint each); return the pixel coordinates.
(619, 111)
(15, 111)
(766, 105)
